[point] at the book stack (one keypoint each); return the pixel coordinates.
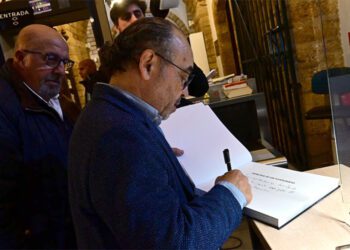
(235, 89)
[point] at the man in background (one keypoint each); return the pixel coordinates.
(34, 132)
(127, 188)
(87, 68)
(127, 12)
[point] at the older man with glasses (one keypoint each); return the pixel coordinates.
(127, 189)
(35, 128)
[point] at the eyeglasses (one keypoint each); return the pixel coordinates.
(190, 74)
(53, 60)
(127, 15)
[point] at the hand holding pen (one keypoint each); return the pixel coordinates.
(236, 177)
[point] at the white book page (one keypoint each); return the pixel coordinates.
(283, 193)
(277, 192)
(197, 130)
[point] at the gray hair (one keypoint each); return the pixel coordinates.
(146, 33)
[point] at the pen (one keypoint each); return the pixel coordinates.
(227, 159)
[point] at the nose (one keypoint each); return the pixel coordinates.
(133, 18)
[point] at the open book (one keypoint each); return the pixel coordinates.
(279, 194)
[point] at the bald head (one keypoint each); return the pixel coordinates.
(38, 36)
(41, 54)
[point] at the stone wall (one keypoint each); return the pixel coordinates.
(179, 23)
(224, 42)
(82, 45)
(198, 14)
(306, 30)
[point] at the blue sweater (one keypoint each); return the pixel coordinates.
(128, 190)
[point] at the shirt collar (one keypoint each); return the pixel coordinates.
(53, 102)
(150, 111)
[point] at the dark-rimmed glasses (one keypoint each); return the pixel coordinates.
(52, 60)
(126, 16)
(190, 74)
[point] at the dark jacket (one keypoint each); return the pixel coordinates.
(128, 190)
(34, 210)
(199, 84)
(90, 82)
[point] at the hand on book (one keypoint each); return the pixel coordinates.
(237, 178)
(178, 152)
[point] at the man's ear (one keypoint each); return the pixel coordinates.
(147, 64)
(19, 56)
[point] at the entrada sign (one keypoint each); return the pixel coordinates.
(15, 18)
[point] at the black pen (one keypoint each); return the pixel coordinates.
(227, 159)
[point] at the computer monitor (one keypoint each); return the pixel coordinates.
(247, 119)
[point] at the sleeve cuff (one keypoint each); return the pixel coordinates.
(235, 191)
